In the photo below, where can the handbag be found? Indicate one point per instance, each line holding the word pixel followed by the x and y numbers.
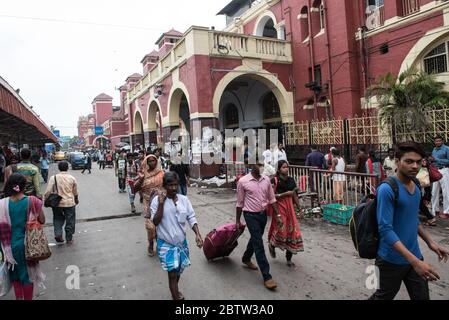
pixel 434 174
pixel 5 281
pixel 424 177
pixel 36 243
pixel 53 199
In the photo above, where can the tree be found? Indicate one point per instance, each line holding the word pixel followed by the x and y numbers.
pixel 407 98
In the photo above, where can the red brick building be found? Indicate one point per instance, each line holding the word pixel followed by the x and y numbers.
pixel 282 61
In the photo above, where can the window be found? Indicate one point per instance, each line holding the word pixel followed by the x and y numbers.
pixel 375 3
pixel 304 22
pixel 322 17
pixel 271 109
pixel 436 60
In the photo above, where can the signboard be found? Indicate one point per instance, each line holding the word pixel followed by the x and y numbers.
pixel 98 131
pixel 57 133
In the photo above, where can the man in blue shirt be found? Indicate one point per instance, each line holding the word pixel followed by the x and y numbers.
pixel 441 156
pixel 399 256
pixel 45 165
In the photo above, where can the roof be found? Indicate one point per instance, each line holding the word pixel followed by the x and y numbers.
pixel 153 54
pixel 134 76
pixel 103 96
pixel 123 87
pixel 172 34
pixel 233 6
pixel 17 116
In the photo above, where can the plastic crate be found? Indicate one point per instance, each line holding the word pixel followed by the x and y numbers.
pixel 337 213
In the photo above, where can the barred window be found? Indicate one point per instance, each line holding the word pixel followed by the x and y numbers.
pixel 436 60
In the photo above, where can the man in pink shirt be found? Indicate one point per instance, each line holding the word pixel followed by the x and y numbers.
pixel 254 194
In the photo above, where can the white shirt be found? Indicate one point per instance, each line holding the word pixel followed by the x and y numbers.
pixel 267 156
pixel 279 155
pixel 172 228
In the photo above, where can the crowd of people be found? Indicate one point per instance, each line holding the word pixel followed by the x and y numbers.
pixel 260 194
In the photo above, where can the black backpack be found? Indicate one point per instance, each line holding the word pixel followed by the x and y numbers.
pixel 363 225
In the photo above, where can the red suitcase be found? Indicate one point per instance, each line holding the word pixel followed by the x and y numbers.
pixel 220 242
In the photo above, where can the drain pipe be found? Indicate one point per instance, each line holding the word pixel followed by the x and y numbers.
pixel 312 56
pixel 331 94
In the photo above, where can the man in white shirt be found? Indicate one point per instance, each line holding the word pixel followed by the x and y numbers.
pixel 279 154
pixel 390 164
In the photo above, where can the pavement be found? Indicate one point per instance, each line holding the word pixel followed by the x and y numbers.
pixel 109 250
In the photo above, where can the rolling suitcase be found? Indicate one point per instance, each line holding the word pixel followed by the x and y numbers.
pixel 220 242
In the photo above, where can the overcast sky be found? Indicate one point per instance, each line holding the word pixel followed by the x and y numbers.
pixel 60 67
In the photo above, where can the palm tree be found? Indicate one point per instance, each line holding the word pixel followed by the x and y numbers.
pixel 406 99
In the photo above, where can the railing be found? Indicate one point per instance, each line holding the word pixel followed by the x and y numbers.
pixel 347 188
pixel 220 44
pixel 410 6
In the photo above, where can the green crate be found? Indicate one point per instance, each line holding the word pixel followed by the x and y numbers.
pixel 337 213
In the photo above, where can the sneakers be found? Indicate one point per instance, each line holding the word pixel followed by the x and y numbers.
pixel 270 284
pixel 250 265
pixel 133 208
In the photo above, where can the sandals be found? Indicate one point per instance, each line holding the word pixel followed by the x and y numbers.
pixel 431 223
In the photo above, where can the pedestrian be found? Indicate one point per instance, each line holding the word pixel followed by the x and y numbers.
pixel 45 165
pixel 87 163
pixel 360 160
pixel 139 162
pixel 101 160
pixel 120 171
pixel 2 165
pixel 150 181
pixel 65 213
pixel 440 155
pixel 399 256
pixel 14 214
pixel 279 154
pixel 426 191
pixel 29 171
pixel 171 212
pixel 374 167
pixel 390 164
pixel 109 159
pixel 328 160
pixel 315 158
pixel 285 233
pixel 338 178
pixel 254 194
pixel 183 171
pixel 132 173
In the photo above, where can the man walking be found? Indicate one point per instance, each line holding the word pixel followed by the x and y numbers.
pixel 29 171
pixel 254 194
pixel 87 163
pixel 120 171
pixel 279 154
pixel 45 165
pixel 65 212
pixel 399 256
pixel 101 159
pixel 441 156
pixel 315 158
pixel 390 164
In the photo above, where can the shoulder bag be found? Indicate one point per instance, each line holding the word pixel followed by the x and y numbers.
pixel 53 199
pixel 36 243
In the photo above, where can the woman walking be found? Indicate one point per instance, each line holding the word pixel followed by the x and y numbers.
pixel 171 212
pixel 285 233
pixel 150 181
pixel 15 212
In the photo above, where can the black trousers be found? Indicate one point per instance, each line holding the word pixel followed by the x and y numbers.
pixel 391 278
pixel 256 223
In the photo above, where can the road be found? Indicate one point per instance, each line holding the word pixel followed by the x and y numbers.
pixel 111 255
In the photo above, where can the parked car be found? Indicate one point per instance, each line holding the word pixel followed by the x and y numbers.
pixel 59 156
pixel 77 160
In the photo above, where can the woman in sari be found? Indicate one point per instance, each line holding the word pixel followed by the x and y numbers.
pixel 150 181
pixel 15 212
pixel 284 231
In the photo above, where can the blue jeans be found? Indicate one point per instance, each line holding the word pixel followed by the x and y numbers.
pixel 256 223
pixel 182 189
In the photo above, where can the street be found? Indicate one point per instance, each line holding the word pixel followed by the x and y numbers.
pixel 111 255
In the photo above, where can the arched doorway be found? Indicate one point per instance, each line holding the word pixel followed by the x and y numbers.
pixel 266 27
pixel 179 118
pixel 249 103
pixel 138 140
pixel 154 119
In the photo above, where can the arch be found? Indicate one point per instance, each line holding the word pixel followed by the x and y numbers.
pixel 153 108
pixel 304 23
pixel 100 137
pixel 284 97
pixel 138 123
pixel 416 54
pixel 262 21
pixel 174 101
